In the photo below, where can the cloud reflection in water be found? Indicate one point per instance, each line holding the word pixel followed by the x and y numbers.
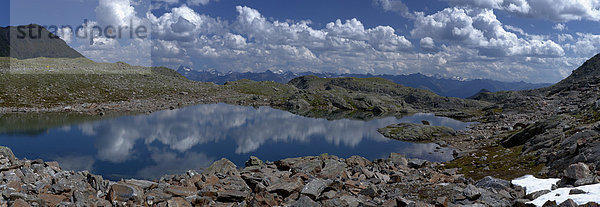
pixel 174 141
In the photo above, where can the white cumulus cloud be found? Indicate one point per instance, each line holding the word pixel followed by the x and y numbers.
pixel 466 40
pixel 427 43
pixel 560 27
pixel 66 34
pixel 254 43
pixel 479 28
pixel 395 6
pixel 562 10
pixel 585 45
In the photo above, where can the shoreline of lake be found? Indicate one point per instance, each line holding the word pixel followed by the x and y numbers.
pixel 306 181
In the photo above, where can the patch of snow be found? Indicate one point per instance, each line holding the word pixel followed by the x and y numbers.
pixel 533 184
pixel 562 194
pixel 184 68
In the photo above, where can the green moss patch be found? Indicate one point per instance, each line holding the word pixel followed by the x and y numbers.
pixel 498 162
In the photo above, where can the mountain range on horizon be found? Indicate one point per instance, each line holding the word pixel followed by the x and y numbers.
pixel 441 86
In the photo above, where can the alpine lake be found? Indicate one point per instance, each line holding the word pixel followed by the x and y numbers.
pixel 148 146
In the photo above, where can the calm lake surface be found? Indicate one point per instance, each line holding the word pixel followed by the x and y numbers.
pixel 171 142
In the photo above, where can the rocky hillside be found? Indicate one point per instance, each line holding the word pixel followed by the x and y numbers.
pixel 32 41
pixel 572 133
pixel 583 79
pixel 558 125
pixel 4 42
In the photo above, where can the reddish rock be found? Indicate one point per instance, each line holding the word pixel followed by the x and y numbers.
pixel 15 185
pixel 178 202
pixel 20 203
pixel 358 161
pixel 265 199
pixel 52 200
pixel 285 186
pixel 181 190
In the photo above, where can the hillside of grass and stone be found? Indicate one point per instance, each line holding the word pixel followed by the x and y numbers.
pixel 64 85
pixel 82 85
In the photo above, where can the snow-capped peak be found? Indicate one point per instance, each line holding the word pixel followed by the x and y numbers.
pixel 184 69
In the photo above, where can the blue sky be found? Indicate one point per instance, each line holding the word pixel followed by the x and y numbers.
pixel 510 40
pixel 4 12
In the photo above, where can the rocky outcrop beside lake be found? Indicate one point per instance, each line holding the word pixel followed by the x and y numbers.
pixel 415 132
pixel 370 94
pixel 306 181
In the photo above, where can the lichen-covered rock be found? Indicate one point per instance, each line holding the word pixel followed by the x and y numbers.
pixel 254 161
pixel 222 167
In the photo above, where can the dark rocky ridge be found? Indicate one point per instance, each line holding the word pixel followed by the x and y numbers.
pixel 18 43
pixel 4 43
pixel 585 74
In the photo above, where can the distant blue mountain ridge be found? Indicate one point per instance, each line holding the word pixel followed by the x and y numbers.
pixel 441 86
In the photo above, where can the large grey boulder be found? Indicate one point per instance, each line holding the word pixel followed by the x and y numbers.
pixel 398 159
pixel 308 165
pixel 305 201
pixel 315 187
pixel 489 182
pixel 472 192
pixel 332 168
pixel 577 171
